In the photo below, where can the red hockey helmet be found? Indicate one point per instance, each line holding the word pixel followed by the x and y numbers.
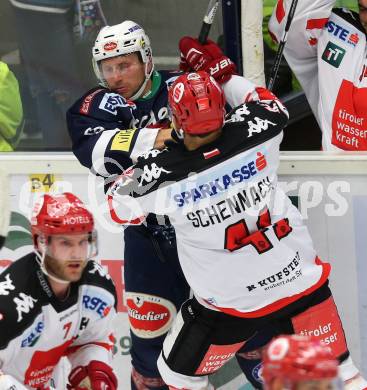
pixel 298 358
pixel 197 103
pixel 60 214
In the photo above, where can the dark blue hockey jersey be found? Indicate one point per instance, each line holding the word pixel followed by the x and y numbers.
pixel 109 132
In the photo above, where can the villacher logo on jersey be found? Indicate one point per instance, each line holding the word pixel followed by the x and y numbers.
pixel 221 184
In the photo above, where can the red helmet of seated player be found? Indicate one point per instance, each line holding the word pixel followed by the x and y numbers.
pixel 296 359
pixel 197 103
pixel 61 214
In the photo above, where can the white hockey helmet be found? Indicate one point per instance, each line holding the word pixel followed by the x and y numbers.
pixel 121 39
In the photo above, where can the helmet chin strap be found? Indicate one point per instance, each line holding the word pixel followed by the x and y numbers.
pixel 40 257
pixel 139 92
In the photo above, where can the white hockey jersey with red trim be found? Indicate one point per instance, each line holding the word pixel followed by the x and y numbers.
pixel 37 329
pixel 242 245
pixel 326 49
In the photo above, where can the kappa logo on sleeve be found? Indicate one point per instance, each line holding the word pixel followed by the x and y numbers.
pixel 100 270
pixel 122 140
pixel 6 286
pixel 333 54
pixel 24 304
pixel 150 316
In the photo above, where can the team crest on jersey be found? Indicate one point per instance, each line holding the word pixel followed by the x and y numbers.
pixel 112 101
pixel 333 54
pixel 150 316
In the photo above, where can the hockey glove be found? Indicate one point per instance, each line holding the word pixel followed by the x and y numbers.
pixel 96 376
pixel 208 57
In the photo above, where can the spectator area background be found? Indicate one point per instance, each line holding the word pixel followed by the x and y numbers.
pixel 165 21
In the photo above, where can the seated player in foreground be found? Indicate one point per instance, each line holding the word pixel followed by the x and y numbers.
pixel 242 245
pixel 57 302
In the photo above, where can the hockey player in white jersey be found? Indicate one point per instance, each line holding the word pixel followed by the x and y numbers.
pixel 242 244
pixel 57 302
pixel 326 49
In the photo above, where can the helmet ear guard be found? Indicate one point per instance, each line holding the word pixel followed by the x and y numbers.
pixel 122 39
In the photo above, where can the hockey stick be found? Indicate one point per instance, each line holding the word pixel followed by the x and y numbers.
pixel 4 207
pixel 208 20
pixel 278 57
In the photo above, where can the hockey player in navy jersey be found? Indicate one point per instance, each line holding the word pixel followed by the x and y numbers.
pixel 242 245
pixel 110 126
pixel 57 302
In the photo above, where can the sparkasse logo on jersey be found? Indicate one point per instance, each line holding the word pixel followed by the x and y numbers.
pixel 342 33
pixel 222 183
pixel 333 54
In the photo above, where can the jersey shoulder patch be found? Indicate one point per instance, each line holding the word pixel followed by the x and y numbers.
pixel 350 17
pixel 96 275
pixel 86 102
pixel 103 103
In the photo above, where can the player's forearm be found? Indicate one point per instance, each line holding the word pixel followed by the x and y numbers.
pixel 237 90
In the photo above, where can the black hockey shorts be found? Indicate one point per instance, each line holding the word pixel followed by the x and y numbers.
pixel 203 340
